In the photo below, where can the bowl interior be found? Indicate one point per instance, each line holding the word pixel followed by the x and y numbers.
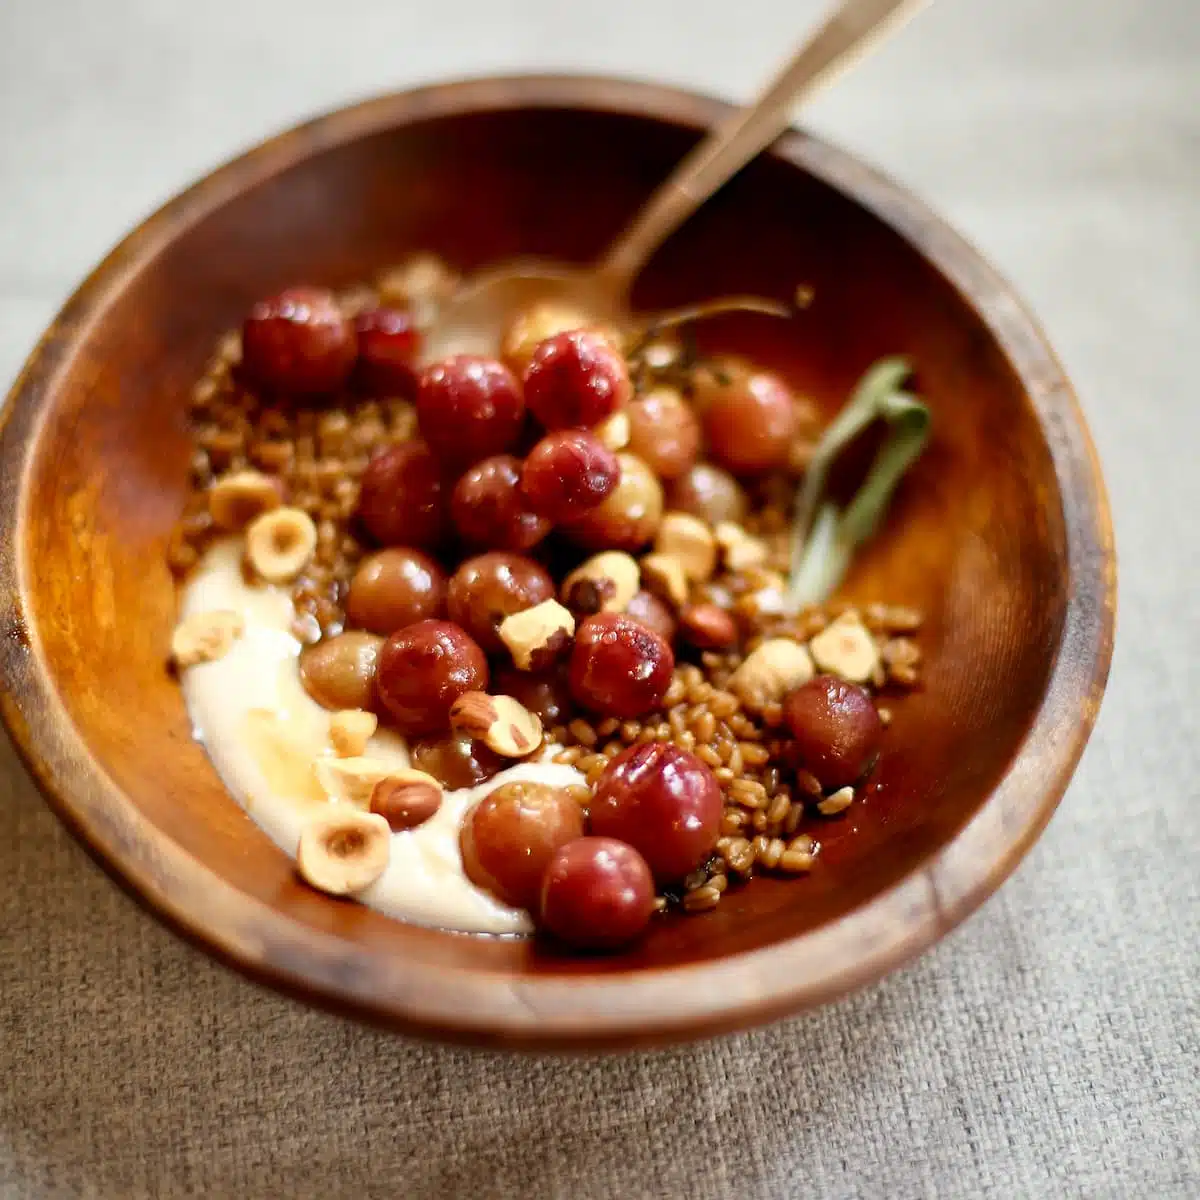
pixel 976 538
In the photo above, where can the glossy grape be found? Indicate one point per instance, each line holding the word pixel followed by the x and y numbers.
pixel 647 608
pixel 469 407
pixel 545 693
pixel 298 343
pixel 339 672
pixel 388 343
pixel 491 511
pixel 710 493
pixel 664 432
pixel 835 727
pixel 628 517
pixel 619 667
pixel 456 761
pixel 751 424
pixel 393 588
pixel 489 587
pixel 404 498
pixel 423 669
pixel 576 379
pixel 511 835
pixel 568 473
pixel 597 894
pixel 664 802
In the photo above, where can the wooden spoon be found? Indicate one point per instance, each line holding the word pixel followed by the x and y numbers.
pixel 476 316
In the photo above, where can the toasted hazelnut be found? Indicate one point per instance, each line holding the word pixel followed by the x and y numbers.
pixel 845 648
pixel 503 724
pixel 740 550
pixel 351 780
pixel 777 667
pixel 708 627
pixel 605 583
pixel 406 799
pixel 279 543
pixel 204 637
pixel 538 636
pixel 350 730
pixel 234 500
pixel 838 802
pixel 614 433
pixel 689 540
pixel 342 851
pixel 664 575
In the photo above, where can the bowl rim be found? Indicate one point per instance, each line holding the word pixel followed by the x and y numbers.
pixel 593 1010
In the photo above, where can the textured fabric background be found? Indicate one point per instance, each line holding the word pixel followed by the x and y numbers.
pixel 1049 1048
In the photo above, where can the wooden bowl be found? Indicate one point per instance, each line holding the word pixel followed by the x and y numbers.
pixel 1001 535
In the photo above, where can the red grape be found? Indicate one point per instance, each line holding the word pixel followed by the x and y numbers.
pixel 597 893
pixel 423 669
pixel 404 499
pixel 511 835
pixel 567 473
pixel 489 587
pixel 388 341
pixel 298 342
pixel 468 408
pixel 576 379
pixel 619 667
pixel 664 432
pixel 835 727
pixel 664 802
pixel 751 424
pixel 490 510
pixel 394 588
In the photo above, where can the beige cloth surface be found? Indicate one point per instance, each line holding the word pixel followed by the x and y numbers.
pixel 1047 1049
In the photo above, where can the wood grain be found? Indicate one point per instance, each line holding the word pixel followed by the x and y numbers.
pixel 1002 535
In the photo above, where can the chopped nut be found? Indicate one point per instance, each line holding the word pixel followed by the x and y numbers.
pixel 845 648
pixel 838 802
pixel 234 500
pixel 279 544
pixel 689 540
pixel 351 780
pixel 739 550
pixel 205 637
pixel 538 636
pixel 503 724
pixel 406 799
pixel 664 576
pixel 900 652
pixel 350 730
pixel 342 851
pixel 605 583
pixel 708 627
pixel 614 433
pixel 777 667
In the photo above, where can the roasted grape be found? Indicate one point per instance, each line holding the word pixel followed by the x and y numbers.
pixel 568 473
pixel 576 379
pixel 510 836
pixel 835 727
pixel 491 511
pixel 468 408
pixel 664 802
pixel 597 894
pixel 404 497
pixel 619 667
pixel 298 343
pixel 388 342
pixel 394 588
pixel 628 517
pixel 423 669
pixel 339 672
pixel 489 587
pixel 664 432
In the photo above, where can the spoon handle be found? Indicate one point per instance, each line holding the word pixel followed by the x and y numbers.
pixel 847 32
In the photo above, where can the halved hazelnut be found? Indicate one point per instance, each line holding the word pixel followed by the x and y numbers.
pixel 846 648
pixel 351 780
pixel 342 851
pixel 664 575
pixel 406 799
pixel 503 724
pixel 538 636
pixel 279 544
pixel 205 637
pixel 604 583
pixel 739 549
pixel 777 667
pixel 690 541
pixel 350 730
pixel 234 500
pixel 615 432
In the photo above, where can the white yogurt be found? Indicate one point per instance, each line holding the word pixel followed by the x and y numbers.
pixel 263 733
